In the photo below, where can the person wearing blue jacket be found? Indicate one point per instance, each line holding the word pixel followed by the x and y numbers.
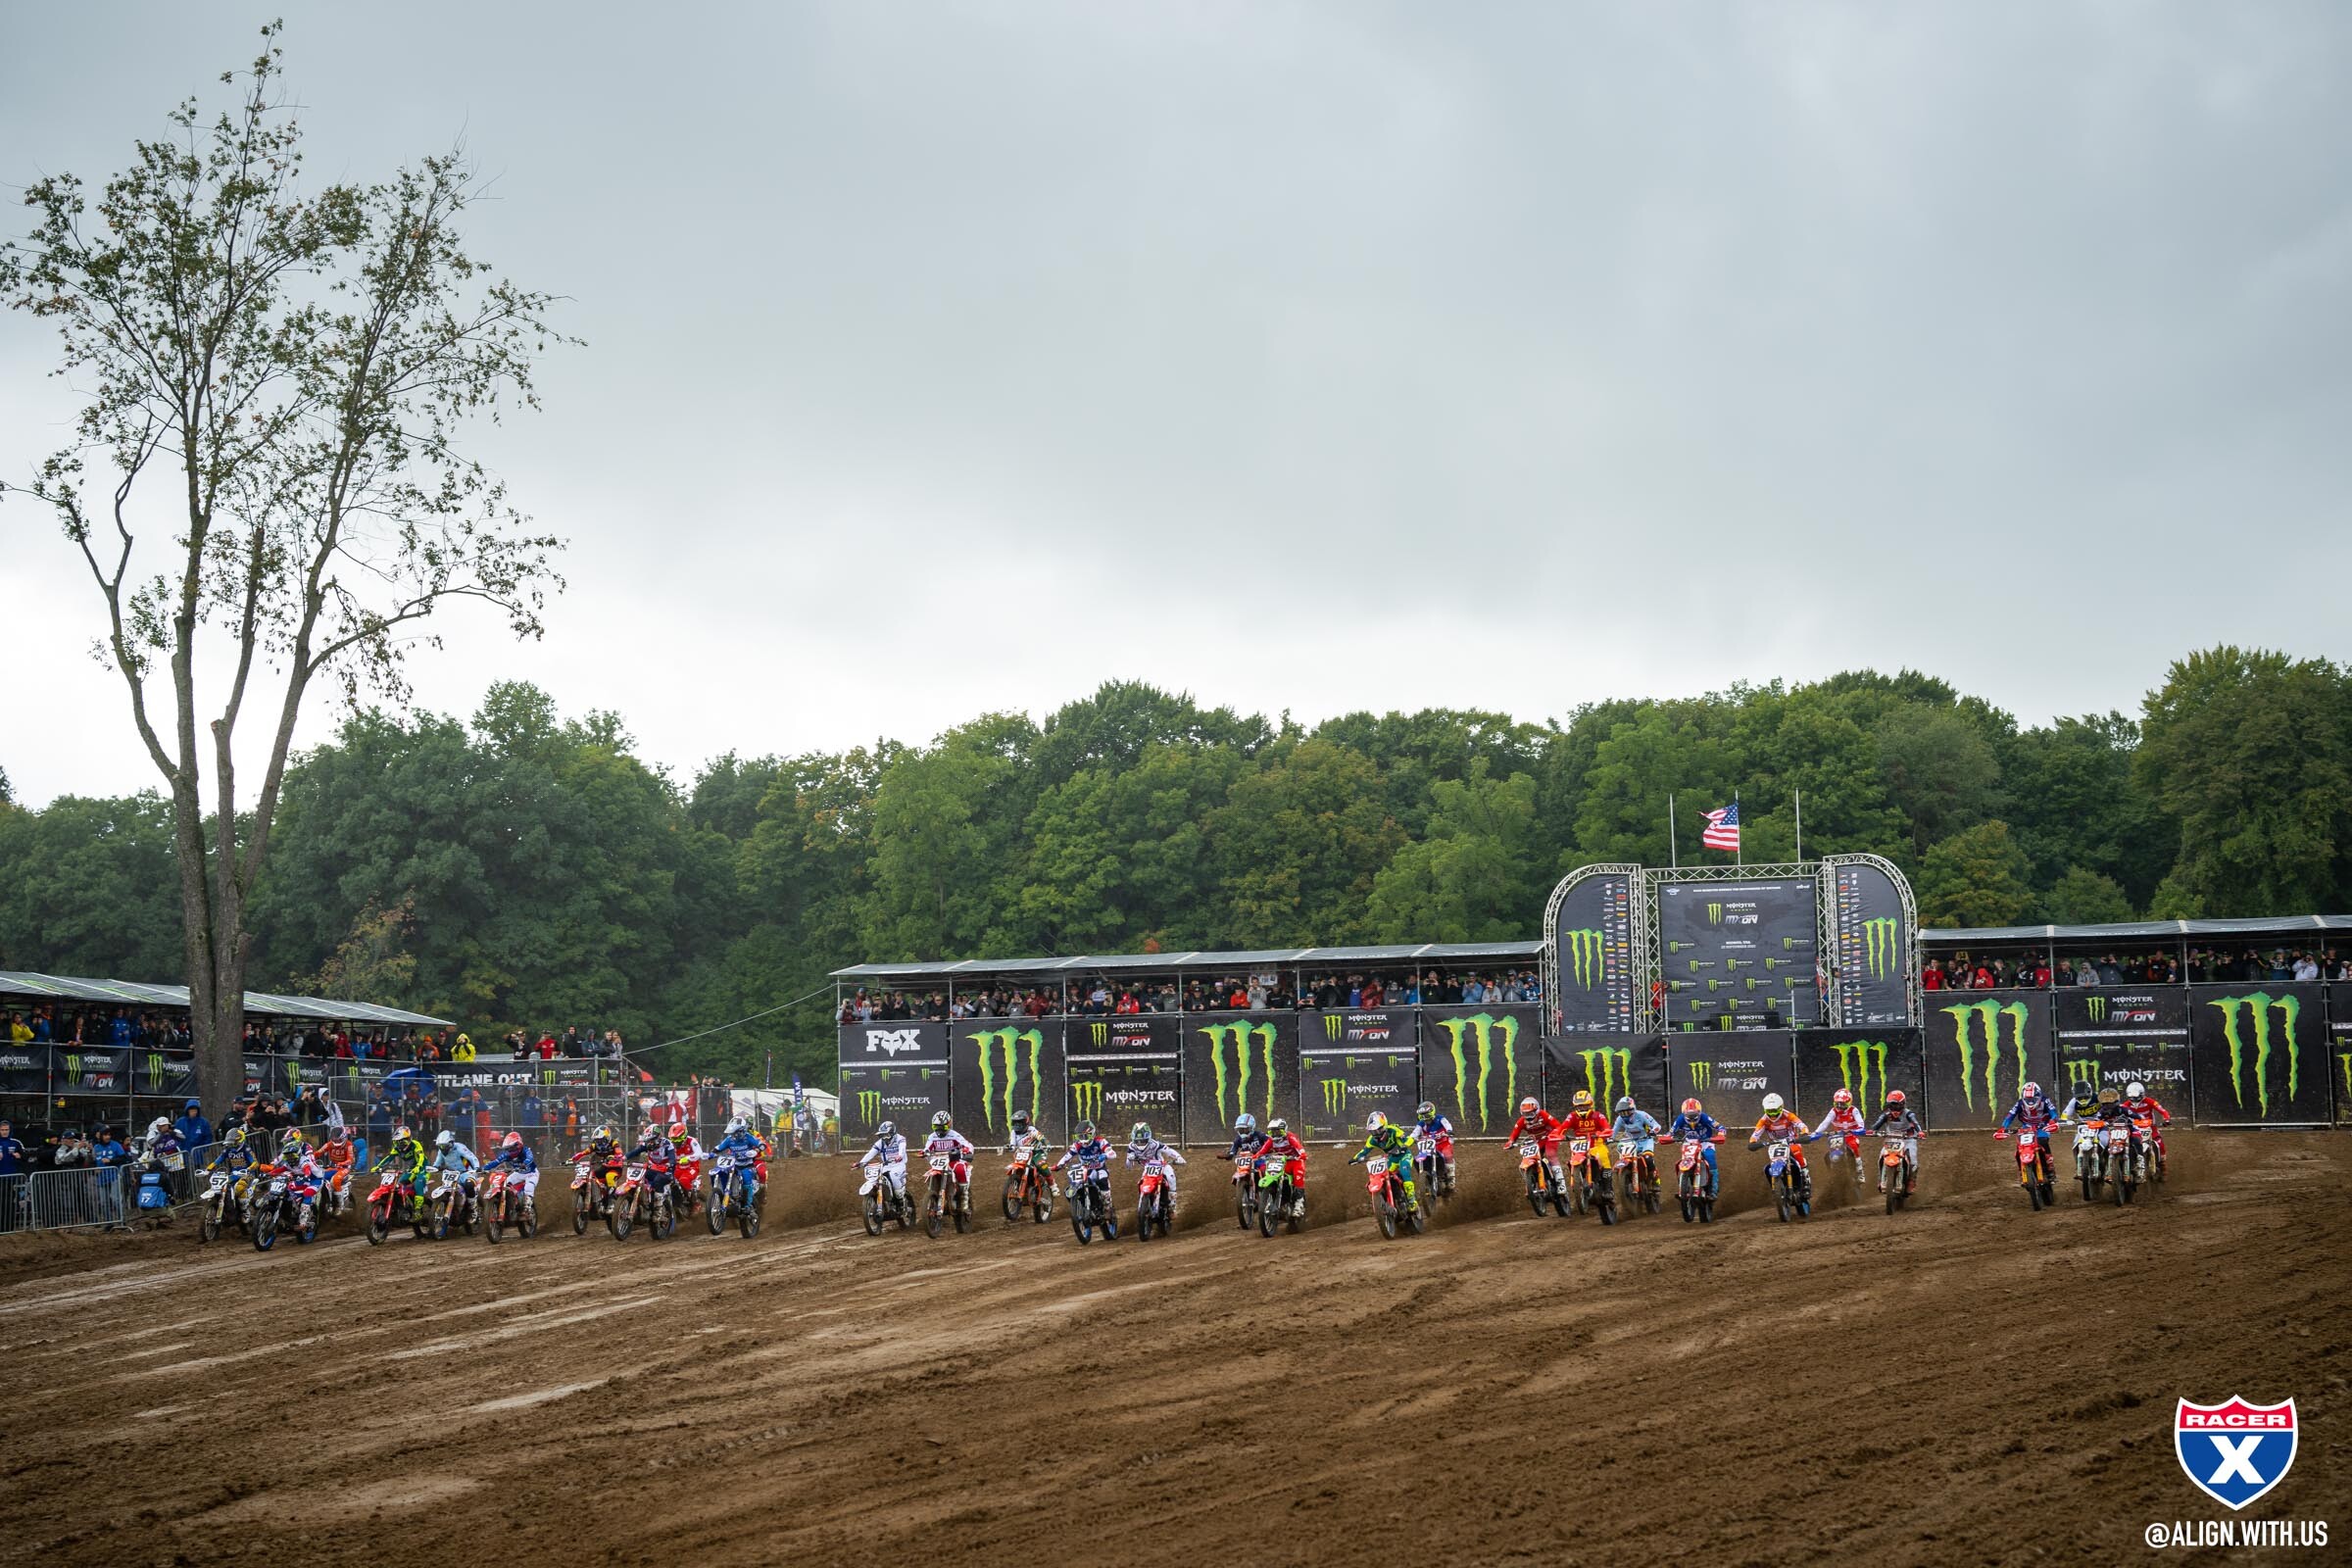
pixel 750 1151
pixel 194 1131
pixel 1692 1124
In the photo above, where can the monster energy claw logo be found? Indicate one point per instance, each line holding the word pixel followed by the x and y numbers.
pixel 1086 1098
pixel 1991 1014
pixel 1009 1041
pixel 2097 1008
pixel 870 1105
pixel 1492 1032
pixel 1618 1063
pixel 1102 1032
pixel 1714 915
pixel 1855 1058
pixel 2259 1005
pixel 1331 1031
pixel 1582 948
pixel 1702 1077
pixel 1238 1038
pixel 1335 1098
pixel 1878 936
pixel 2082 1075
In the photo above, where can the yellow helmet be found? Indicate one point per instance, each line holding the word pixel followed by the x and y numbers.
pixel 235 1137
pixel 678 1134
pixel 1581 1099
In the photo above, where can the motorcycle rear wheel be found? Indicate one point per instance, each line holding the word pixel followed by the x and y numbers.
pixel 873 1212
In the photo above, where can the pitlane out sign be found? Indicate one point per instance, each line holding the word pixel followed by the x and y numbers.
pixel 2237 1452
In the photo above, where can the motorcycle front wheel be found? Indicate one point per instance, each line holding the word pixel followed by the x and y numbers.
pixel 1012 1197
pixel 264 1232
pixel 1536 1196
pixel 378 1227
pixel 1269 1202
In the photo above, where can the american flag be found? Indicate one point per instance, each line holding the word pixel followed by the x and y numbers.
pixel 1723 828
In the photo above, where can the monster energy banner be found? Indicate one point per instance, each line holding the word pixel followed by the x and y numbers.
pixel 1125 1070
pixel 1477 1063
pixel 1729 1073
pixel 163 1073
pixel 2258 1055
pixel 89 1070
pixel 1352 1064
pixel 1981 1048
pixel 1237 1062
pixel 1598 979
pixel 907 1092
pixel 1871 963
pixel 1000 1065
pixel 24 1069
pixel 1865 1062
pixel 282 1075
pixel 2339 1049
pixel 1610 1070
pixel 1739 955
pixel 2108 1038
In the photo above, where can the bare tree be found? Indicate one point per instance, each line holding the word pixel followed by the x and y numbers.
pixel 290 370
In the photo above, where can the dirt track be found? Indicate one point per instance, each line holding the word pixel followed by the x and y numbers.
pixel 1968 1383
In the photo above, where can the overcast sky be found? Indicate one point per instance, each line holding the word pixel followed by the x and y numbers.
pixel 944 359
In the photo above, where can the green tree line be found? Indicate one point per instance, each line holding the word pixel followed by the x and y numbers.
pixel 525 869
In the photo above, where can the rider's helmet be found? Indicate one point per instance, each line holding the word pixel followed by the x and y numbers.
pixel 291 1144
pixel 1426 1110
pixel 1527 1106
pixel 2135 1090
pixel 738 1127
pixel 1774 1104
pixel 941 1121
pixel 1691 1106
pixel 512 1144
pixel 1842 1099
pixel 2030 1091
pixel 1375 1122
pixel 1140 1133
pixel 2108 1097
pixel 444 1139
pixel 401 1133
pixel 1581 1099
pixel 237 1137
pixel 1084 1131
pixel 1277 1127
pixel 1020 1122
pixel 889 1129
pixel 604 1134
pixel 1625 1103
pixel 678 1134
pixel 1894 1098
pixel 1244 1123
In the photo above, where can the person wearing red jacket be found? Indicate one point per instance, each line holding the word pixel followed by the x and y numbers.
pixel 1282 1144
pixel 2138 1102
pixel 1546 1130
pixel 1585 1120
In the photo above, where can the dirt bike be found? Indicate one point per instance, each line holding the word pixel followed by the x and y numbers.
pixel 217 1207
pixel 732 1197
pixel 951 1196
pixel 1278 1197
pixel 273 1208
pixel 1588 1186
pixel 1791 1188
pixel 639 1198
pixel 1429 1175
pixel 1091 1207
pixel 1851 1144
pixel 1695 1185
pixel 1637 1177
pixel 1152 1205
pixel 1896 1175
pixel 445 1205
pixel 884 1202
pixel 384 1206
pixel 592 1194
pixel 507 1205
pixel 2126 1164
pixel 2087 1169
pixel 1244 1190
pixel 2033 1167
pixel 1029 1187
pixel 1542 1177
pixel 1388 1204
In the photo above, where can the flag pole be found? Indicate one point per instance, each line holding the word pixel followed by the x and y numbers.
pixel 1800 827
pixel 1673 859
pixel 1739 852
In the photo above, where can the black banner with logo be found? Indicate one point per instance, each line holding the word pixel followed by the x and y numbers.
pixel 1982 1049
pixel 89 1070
pixel 1477 1063
pixel 1352 1064
pixel 1000 1065
pixel 1237 1062
pixel 2339 1049
pixel 1598 976
pixel 2259 1055
pixel 906 1040
pixel 1728 1073
pixel 1871 948
pixel 907 1092
pixel 163 1073
pixel 24 1069
pixel 1741 951
pixel 2108 1038
pixel 1135 1074
pixel 1868 1064
pixel 1610 1070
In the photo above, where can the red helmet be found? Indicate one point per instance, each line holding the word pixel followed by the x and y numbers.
pixel 512 1141
pixel 1691 1107
pixel 1844 1097
pixel 1527 1107
pixel 1894 1096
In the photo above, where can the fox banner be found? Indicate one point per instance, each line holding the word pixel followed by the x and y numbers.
pixel 2106 1039
pixel 1352 1064
pixel 89 1070
pixel 1237 1062
pixel 1729 1072
pixel 2340 1051
pixel 2259 1055
pixel 1611 1069
pixel 1122 1070
pixel 1597 970
pixel 1981 1048
pixel 1477 1063
pixel 1867 1063
pixel 901 1041
pixel 997 1066
pixel 1871 953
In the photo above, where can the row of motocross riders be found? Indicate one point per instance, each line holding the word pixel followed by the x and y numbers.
pixel 449 1186
pixel 1423 1154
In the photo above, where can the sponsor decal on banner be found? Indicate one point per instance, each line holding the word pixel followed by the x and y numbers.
pixel 1252 1047
pixel 2258 1007
pixel 1335 1098
pixel 1100 1033
pixel 1604 1067
pixel 1878 939
pixel 2234 1452
pixel 1990 1017
pixel 890 1042
pixel 1855 1058
pixel 2096 1006
pixel 1086 1099
pixel 2082 1076
pixel 1714 915
pixel 1702 1077
pixel 1582 948
pixel 1001 1056
pixel 1482 1034
pixel 870 1106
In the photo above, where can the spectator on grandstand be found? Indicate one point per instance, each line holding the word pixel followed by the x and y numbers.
pixel 2307 968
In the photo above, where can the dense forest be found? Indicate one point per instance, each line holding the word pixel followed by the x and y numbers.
pixel 524 870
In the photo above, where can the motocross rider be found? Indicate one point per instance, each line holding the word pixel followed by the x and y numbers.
pixel 656 1154
pixel 1427 1123
pixel 334 1163
pixel 1585 1120
pixel 1843 1126
pixel 1546 1129
pixel 1283 1144
pixel 687 1155
pixel 1381 1139
pixel 514 1157
pixel 945 1140
pixel 1631 1124
pixel 751 1157
pixel 2034 1116
pixel 1692 1124
pixel 1093 1153
pixel 1247 1139
pixel 1899 1119
pixel 889 1152
pixel 453 1154
pixel 1778 1121
pixel 1143 1148
pixel 404 1155
pixel 2139 1104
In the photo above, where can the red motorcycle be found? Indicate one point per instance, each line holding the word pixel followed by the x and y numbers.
pixel 1152 1205
pixel 384 1206
pixel 1694 1180
pixel 636 1198
pixel 1386 1180
pixel 1588 1186
pixel 592 1194
pixel 508 1204
pixel 2033 1166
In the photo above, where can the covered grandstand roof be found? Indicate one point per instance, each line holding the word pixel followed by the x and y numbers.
pixel 137 994
pixel 1226 963
pixel 2144 930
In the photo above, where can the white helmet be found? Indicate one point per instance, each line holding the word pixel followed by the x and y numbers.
pixel 158 1127
pixel 2135 1090
pixel 1773 1104
pixel 446 1139
pixel 737 1126
pixel 1842 1098
pixel 1375 1122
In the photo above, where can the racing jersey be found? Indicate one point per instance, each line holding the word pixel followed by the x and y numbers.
pixel 1784 1125
pixel 1390 1141
pixel 1145 1153
pixel 1436 1127
pixel 1245 1146
pixel 1695 1124
pixel 1544 1127
pixel 748 1144
pixel 950 1143
pixel 520 1159
pixel 2030 1116
pixel 457 1157
pixel 1093 1152
pixel 406 1154
pixel 1586 1124
pixel 1636 1123
pixel 891 1150
pixel 1288 1148
pixel 2146 1105
pixel 1840 1119
pixel 1905 1124
pixel 652 1153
